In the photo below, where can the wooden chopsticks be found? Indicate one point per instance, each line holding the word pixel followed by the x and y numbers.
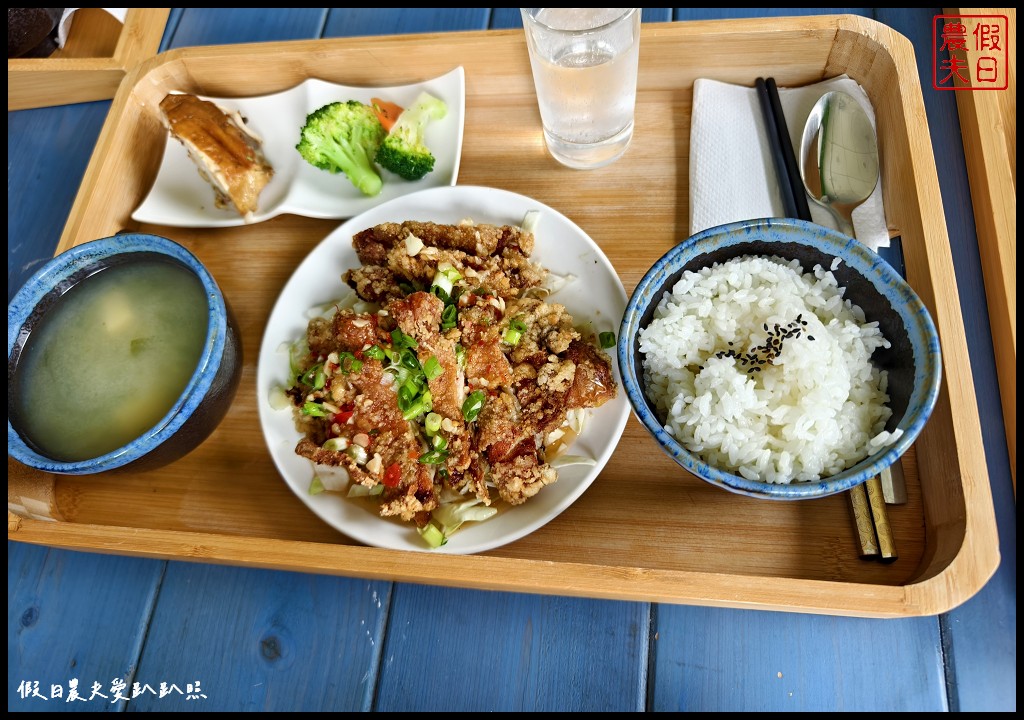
pixel 867 503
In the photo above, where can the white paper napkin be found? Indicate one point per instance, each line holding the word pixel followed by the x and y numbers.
pixel 732 174
pixel 69 14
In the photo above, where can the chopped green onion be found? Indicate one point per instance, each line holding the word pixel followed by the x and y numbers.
pixel 433 457
pixel 409 360
pixel 443 283
pixel 314 377
pixel 449 317
pixel 432 424
pixel 473 405
pixel 515 331
pixel 424 403
pixel 357 453
pixel 439 442
pixel 336 444
pixel 432 535
pixel 607 339
pixel 316 487
pixel 375 352
pixel 441 294
pixel 450 272
pixel 432 368
pixel 312 409
pixel 349 363
pixel 460 355
pixel 406 288
pixel 401 341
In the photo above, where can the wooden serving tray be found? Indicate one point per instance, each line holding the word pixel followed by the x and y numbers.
pixel 92 63
pixel 988 123
pixel 645 530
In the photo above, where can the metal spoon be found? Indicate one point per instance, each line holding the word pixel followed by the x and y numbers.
pixel 839 167
pixel 839 156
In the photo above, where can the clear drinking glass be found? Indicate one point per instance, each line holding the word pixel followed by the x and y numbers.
pixel 584 64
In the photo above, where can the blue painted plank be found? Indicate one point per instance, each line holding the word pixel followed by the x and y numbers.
pixel 981 634
pixel 268 626
pixel 708 659
pixel 222 26
pixel 354 22
pixel 170 28
pixel 48 150
pixel 74 616
pixel 511 18
pixel 260 640
pixel 763 12
pixel 474 651
pixel 717 659
pixel 504 18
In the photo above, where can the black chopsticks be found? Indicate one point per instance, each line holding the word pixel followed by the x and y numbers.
pixel 791 185
pixel 874 534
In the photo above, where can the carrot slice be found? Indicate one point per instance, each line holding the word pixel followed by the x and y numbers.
pixel 387 112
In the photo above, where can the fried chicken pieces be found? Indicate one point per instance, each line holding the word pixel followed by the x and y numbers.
pixel 227 154
pixel 465 387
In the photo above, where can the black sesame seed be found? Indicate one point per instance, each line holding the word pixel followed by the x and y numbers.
pixel 810 337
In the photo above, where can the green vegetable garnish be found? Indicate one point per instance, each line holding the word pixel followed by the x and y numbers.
pixel 404 151
pixel 375 352
pixel 420 405
pixel 432 368
pixel 313 409
pixel 449 317
pixel 432 423
pixel 314 377
pixel 515 331
pixel 607 339
pixel 349 363
pixel 401 341
pixel 473 405
pixel 432 535
pixel 433 457
pixel 316 487
pixel 344 137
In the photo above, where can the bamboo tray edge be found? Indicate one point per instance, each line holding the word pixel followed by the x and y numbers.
pixel 43 82
pixel 966 545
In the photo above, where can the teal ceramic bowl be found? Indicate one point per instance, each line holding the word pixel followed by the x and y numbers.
pixel 209 390
pixel 913 361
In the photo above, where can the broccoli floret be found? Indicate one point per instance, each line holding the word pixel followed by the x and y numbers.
pixel 403 151
pixel 344 137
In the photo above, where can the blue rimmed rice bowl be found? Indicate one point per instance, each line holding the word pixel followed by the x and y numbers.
pixel 911 362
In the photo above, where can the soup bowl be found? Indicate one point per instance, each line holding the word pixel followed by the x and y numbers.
pixel 911 361
pixel 180 344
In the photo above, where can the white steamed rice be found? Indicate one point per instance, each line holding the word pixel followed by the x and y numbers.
pixel 817 408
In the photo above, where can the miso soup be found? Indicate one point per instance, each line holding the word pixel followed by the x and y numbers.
pixel 109 359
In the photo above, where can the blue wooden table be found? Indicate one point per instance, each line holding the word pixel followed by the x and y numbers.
pixel 169 636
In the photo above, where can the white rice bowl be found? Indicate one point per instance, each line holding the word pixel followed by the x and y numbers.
pixel 810 409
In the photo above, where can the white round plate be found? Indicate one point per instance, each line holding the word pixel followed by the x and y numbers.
pixel 596 296
pixel 181 198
